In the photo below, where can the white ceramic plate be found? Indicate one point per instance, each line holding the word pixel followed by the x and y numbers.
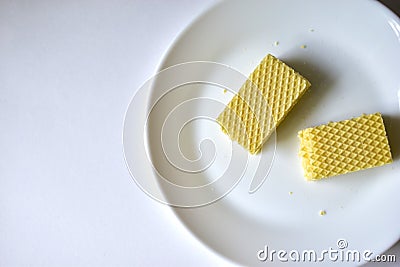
pixel 352 58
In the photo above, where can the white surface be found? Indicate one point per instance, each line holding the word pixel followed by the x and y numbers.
pixel 68 70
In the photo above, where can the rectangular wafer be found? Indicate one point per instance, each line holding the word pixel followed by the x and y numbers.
pixel 342 147
pixel 262 103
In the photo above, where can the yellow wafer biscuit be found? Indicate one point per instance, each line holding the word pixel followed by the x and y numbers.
pixel 262 103
pixel 343 147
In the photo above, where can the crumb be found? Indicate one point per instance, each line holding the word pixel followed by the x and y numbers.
pixel 322 212
pixel 303 46
pixel 276 43
pixel 290 193
pixel 311 30
pixel 225 91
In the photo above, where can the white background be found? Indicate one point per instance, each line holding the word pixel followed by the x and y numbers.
pixel 68 70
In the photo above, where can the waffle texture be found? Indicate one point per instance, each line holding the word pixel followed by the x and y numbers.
pixel 262 103
pixel 343 147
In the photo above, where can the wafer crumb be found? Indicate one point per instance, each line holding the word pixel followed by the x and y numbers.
pixel 322 212
pixel 290 193
pixel 303 46
pixel 225 91
pixel 276 43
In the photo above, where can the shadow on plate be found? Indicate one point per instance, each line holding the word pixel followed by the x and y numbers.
pixel 392 125
pixel 321 83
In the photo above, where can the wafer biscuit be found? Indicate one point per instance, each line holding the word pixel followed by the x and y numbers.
pixel 262 103
pixel 342 147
